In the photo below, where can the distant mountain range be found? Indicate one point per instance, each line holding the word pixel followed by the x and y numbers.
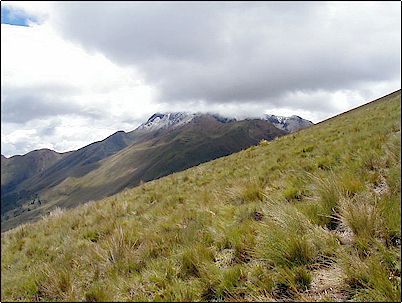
pixel 35 183
pixel 164 120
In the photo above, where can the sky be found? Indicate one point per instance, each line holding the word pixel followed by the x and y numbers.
pixel 76 72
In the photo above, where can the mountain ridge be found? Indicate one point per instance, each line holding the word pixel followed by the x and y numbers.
pixel 125 159
pixel 162 120
pixel 219 117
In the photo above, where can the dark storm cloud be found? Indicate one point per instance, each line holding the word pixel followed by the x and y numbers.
pixel 243 52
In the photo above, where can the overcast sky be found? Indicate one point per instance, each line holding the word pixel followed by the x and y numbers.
pixel 74 73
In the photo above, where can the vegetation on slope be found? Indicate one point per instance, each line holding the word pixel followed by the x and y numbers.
pixel 313 215
pixel 106 167
pixel 16 169
pixel 25 177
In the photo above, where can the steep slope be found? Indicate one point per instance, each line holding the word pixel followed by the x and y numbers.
pixel 160 152
pixel 311 216
pixel 17 169
pixel 26 188
pixel 25 177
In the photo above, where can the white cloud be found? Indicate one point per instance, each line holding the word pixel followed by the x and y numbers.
pixel 44 76
pixel 237 52
pixel 91 68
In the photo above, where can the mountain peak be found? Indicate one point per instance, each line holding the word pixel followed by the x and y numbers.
pixel 223 119
pixel 290 124
pixel 175 119
pixel 165 120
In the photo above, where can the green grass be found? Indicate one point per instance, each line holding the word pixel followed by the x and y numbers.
pixel 106 167
pixel 257 225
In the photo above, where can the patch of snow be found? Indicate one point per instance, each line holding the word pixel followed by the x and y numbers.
pixel 165 120
pixel 290 124
pixel 176 119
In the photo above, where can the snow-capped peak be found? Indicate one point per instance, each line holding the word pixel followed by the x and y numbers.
pixel 176 119
pixel 274 118
pixel 290 124
pixel 165 120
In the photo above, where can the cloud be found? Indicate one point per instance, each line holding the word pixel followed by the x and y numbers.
pixel 107 66
pixel 45 77
pixel 22 105
pixel 60 133
pixel 242 52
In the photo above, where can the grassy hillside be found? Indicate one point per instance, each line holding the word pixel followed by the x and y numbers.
pixel 313 215
pixel 106 167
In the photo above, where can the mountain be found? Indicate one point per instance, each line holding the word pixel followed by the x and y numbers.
pixel 166 143
pixel 176 119
pixel 311 216
pixel 289 124
pixel 25 177
pixel 165 120
pixel 17 169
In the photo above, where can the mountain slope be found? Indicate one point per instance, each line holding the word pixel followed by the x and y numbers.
pixel 58 168
pixel 310 216
pixel 59 181
pixel 19 168
pixel 15 170
pixel 160 152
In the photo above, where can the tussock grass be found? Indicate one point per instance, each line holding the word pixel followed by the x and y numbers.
pixel 256 225
pixel 371 278
pixel 292 240
pixel 361 214
pixel 292 281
